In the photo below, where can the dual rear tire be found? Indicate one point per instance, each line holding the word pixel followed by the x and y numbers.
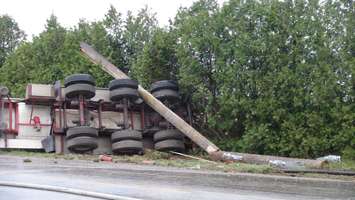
pixel 123 88
pixel 165 90
pixel 81 139
pixel 79 85
pixel 169 140
pixel 127 142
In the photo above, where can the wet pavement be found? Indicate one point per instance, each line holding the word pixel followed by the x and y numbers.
pixel 29 194
pixel 143 182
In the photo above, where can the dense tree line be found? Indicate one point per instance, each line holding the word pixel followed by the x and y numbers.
pixel 271 77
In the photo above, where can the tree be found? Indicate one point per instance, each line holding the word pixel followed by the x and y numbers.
pixel 138 30
pixel 114 24
pixel 275 77
pixel 197 46
pixel 128 36
pixel 158 59
pixel 10 36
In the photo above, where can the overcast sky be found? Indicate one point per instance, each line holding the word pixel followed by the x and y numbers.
pixel 31 15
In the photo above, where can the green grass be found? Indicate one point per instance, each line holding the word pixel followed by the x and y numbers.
pixel 343 165
pixel 41 154
pixel 26 153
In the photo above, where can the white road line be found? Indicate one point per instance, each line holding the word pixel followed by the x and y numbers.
pixel 66 190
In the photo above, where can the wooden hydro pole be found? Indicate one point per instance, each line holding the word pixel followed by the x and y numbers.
pixel 214 152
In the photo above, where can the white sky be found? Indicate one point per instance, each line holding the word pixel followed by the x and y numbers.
pixel 31 15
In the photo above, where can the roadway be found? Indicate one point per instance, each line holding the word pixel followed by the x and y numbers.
pixel 151 182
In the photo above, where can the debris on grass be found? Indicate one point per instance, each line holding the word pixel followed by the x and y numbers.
pixel 277 163
pixel 148 162
pixel 330 158
pixel 198 166
pixel 105 158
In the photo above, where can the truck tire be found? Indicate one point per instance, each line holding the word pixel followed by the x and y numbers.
pixel 82 144
pixel 164 84
pixel 120 93
pixel 75 90
pixel 126 135
pixel 168 134
pixel 170 145
pixel 123 83
pixel 167 94
pixel 81 131
pixel 127 147
pixel 79 78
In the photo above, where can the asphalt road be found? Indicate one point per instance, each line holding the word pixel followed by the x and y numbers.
pixel 29 194
pixel 145 182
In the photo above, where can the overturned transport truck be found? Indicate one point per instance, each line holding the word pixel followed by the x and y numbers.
pixel 78 117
